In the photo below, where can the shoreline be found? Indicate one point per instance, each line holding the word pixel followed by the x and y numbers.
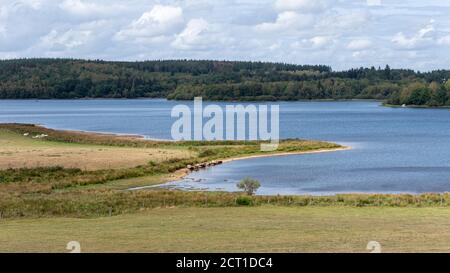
pixel 182 173
pixel 412 106
pixel 175 100
pixel 94 133
pixel 344 148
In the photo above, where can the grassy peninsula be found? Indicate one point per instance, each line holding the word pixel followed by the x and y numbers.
pixel 46 172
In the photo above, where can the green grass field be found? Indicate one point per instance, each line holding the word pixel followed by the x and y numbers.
pixel 256 229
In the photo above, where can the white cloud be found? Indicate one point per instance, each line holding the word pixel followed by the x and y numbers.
pixel 159 21
pixel 301 31
pixel 317 42
pixel 444 40
pixel 66 40
pixel 423 38
pixel 162 15
pixel 89 8
pixel 339 21
pixel 287 21
pixel 320 41
pixel 22 23
pixel 300 5
pixel 359 44
pixel 85 40
pixel 192 35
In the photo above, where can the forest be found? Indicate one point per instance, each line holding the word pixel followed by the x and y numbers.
pixel 218 80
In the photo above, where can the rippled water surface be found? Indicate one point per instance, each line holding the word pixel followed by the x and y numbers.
pixel 394 149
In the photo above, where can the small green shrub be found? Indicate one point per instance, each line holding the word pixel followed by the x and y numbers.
pixel 249 185
pixel 244 201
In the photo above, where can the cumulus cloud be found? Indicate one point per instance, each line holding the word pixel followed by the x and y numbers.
pixel 359 44
pixel 192 35
pixel 89 8
pixel 159 21
pixel 22 23
pixel 423 38
pixel 320 41
pixel 339 33
pixel 340 21
pixel 287 21
pixel 316 42
pixel 300 5
pixel 200 35
pixel 66 40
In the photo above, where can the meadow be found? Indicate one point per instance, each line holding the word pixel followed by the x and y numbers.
pixel 25 152
pixel 238 229
pixel 83 195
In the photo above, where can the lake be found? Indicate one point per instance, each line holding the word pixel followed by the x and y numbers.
pixel 395 150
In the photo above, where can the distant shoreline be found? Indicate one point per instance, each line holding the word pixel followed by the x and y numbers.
pixel 415 106
pixel 381 101
pixel 205 100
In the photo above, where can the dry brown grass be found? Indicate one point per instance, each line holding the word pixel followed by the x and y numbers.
pixel 19 151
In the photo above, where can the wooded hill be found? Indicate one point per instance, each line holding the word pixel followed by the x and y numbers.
pixel 217 80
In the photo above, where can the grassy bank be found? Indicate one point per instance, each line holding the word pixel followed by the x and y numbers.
pixel 262 229
pixel 39 174
pixel 92 203
pixel 64 191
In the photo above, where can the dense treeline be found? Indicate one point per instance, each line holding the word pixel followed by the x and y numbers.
pixel 217 80
pixel 419 93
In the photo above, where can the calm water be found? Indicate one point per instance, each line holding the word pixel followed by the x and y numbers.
pixel 394 150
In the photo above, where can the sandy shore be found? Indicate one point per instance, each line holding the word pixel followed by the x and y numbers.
pixel 287 153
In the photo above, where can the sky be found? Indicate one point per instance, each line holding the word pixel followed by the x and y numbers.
pixel 346 34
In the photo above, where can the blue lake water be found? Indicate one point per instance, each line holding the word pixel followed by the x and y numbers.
pixel 395 150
